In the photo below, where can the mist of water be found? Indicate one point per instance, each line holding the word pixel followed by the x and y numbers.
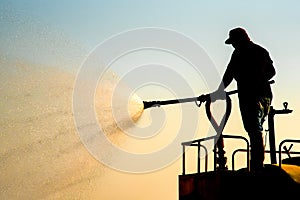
pixel 41 154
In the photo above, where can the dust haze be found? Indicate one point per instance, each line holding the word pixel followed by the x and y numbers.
pixel 41 155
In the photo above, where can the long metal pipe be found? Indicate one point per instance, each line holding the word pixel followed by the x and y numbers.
pixel 200 99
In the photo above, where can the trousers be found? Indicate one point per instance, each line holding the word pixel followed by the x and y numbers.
pixel 254 112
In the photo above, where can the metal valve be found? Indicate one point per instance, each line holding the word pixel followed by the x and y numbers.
pixel 285 105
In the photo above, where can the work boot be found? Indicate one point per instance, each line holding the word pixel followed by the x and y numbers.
pixel 257 151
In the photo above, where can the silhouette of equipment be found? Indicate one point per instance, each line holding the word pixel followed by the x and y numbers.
pixel 273 182
pixel 219 152
pixel 271 115
pixel 198 100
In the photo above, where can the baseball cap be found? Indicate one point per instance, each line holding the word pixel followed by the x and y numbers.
pixel 237 34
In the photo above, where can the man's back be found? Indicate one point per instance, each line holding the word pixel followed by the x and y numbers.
pixel 252 68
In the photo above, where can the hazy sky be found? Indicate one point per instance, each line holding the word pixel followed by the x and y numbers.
pixel 62 32
pixel 274 24
pixel 37 119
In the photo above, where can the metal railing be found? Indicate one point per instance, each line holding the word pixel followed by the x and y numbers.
pixel 268 151
pixel 286 141
pixel 198 144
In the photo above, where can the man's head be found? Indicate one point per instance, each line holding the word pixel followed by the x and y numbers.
pixel 237 36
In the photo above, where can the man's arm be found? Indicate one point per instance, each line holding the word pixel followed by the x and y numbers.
pixel 227 78
pixel 270 70
pixel 228 74
pixel 268 67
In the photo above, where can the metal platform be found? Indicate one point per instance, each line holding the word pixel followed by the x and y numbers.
pixel 273 183
pixel 277 180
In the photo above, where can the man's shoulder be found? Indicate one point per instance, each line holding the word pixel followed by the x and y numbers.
pixel 258 47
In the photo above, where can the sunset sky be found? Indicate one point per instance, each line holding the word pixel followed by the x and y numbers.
pixel 49 28
pixel 61 33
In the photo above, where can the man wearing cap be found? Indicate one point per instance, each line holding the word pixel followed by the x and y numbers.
pixel 251 67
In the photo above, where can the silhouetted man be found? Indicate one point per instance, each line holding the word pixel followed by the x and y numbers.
pixel 251 66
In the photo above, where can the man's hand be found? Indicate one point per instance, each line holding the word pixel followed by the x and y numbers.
pixel 218 95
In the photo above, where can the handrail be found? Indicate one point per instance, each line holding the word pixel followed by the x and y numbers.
pixel 280 145
pixel 198 163
pixel 188 143
pixel 206 155
pixel 198 144
pixel 266 151
pixel 248 148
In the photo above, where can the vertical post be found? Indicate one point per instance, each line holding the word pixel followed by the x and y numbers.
pixel 248 156
pixel 183 159
pixel 198 159
pixel 271 115
pixel 206 160
pixel 272 135
pixel 215 154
